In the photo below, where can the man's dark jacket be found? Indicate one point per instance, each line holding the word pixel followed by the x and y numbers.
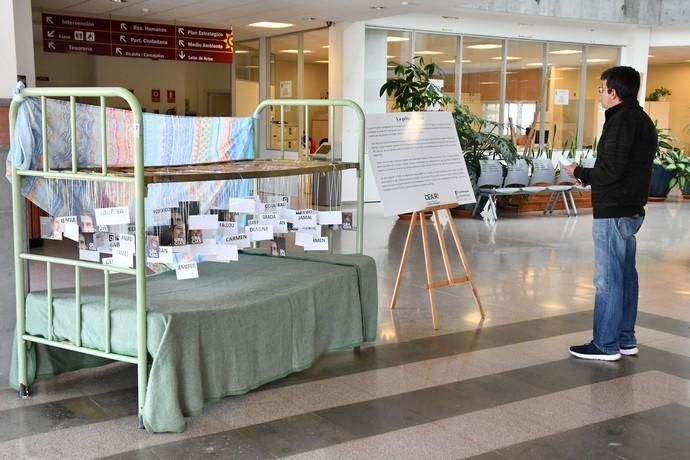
pixel 622 172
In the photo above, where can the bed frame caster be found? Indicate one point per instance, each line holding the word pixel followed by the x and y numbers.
pixel 23 391
pixel 140 422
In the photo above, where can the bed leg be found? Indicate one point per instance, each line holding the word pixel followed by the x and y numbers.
pixel 140 422
pixel 357 348
pixel 23 391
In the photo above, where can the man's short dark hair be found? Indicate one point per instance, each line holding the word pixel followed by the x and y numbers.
pixel 625 80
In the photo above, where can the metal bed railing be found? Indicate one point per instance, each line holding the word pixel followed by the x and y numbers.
pixel 22 256
pixel 331 104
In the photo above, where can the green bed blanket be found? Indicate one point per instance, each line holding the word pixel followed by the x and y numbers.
pixel 236 327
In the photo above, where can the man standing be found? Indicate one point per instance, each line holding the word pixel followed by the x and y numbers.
pixel 620 184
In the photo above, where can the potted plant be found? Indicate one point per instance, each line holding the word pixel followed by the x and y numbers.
pixel 662 177
pixel 659 94
pixel 676 162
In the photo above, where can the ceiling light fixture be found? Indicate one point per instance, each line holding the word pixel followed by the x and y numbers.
pixel 270 25
pixel 596 60
pixel 428 53
pixel 567 68
pixel 452 61
pixel 145 10
pixel 397 39
pixel 485 46
pixel 566 51
pixel 293 51
pixel 534 64
pixel 508 58
pixel 650 56
pixel 488 83
pixel 119 1
pixel 241 52
pixel 322 61
pixel 324 46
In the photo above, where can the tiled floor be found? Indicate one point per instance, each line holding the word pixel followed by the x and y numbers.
pixel 498 388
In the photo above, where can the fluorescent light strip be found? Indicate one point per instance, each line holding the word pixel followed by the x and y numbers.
pixel 508 58
pixel 452 61
pixel 292 51
pixel 484 46
pixel 270 25
pixel 397 39
pixel 428 52
pixel 566 52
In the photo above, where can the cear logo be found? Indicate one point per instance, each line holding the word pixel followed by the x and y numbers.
pixel 431 196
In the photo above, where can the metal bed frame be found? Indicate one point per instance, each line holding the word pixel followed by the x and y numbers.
pixel 139 176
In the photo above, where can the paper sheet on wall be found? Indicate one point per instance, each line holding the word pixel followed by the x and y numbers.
pixel 112 216
pixel 417 161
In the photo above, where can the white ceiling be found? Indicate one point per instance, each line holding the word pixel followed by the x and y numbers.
pixel 305 14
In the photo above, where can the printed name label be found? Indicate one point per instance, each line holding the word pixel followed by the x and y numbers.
pixel 112 216
pixel 187 271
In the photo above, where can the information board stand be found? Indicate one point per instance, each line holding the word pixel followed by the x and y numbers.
pixel 418 165
pixel 451 280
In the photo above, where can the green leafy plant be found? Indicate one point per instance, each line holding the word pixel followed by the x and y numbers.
pixel 658 92
pixel 412 89
pixel 677 162
pixel 664 139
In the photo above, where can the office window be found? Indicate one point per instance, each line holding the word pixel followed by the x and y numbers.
pixel 481 75
pixel 564 81
pixel 524 88
pixel 246 61
pixel 441 50
pixel 599 58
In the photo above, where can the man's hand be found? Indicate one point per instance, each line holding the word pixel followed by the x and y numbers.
pixel 570 169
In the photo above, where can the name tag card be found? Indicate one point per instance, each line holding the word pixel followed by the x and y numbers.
pixel 280 227
pixel 182 249
pixel 269 218
pixel 203 222
pixel 260 232
pixel 228 228
pixel 241 240
pixel 319 243
pixel 127 242
pixel 205 249
pixel 227 253
pixel 187 271
pixel 253 222
pixel 288 214
pixel 108 261
pixel 305 219
pixel 103 228
pixel 315 230
pixel 275 206
pixel 91 256
pixel 162 216
pixel 330 217
pixel 123 258
pixel 303 238
pixel 112 216
pixel 71 230
pixel 246 205
pixel 165 255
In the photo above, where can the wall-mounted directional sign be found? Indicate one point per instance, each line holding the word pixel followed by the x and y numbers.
pixel 103 37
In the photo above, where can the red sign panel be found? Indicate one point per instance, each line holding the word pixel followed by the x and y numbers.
pixel 171 95
pixel 73 22
pixel 155 95
pixel 64 34
pixel 82 36
pixel 143 52
pixel 143 40
pixel 204 56
pixel 98 49
pixel 142 28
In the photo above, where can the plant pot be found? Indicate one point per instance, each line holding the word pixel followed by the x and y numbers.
pixel 685 190
pixel 660 184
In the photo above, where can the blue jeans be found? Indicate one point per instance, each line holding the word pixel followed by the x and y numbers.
pixel 615 278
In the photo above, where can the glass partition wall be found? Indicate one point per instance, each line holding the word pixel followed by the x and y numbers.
pixel 543 93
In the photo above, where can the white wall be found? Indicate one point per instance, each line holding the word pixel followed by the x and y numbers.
pixel 16 45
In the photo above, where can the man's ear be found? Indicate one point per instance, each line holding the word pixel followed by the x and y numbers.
pixel 613 93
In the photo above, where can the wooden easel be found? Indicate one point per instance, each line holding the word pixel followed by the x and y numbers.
pixel 430 284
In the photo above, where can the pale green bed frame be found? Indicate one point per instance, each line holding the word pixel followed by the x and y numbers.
pixel 22 255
